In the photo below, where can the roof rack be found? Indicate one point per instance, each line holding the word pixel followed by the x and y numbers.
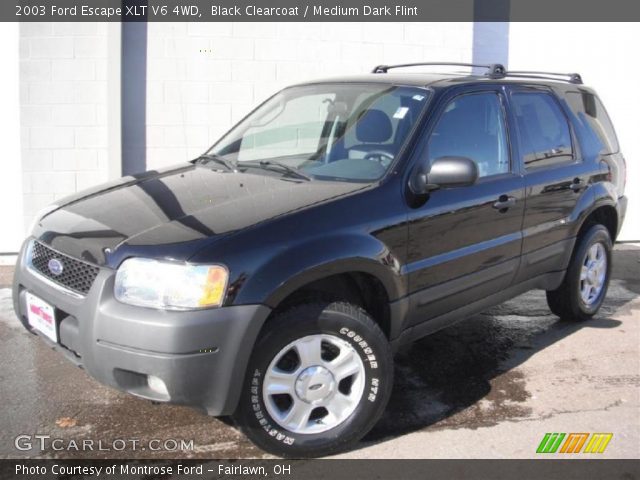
pixel 494 70
pixel 570 77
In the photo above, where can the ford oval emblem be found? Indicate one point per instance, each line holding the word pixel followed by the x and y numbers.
pixel 55 266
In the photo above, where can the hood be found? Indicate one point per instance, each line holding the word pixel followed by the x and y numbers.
pixel 177 206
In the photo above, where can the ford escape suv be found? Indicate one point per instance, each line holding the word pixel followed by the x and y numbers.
pixel 273 277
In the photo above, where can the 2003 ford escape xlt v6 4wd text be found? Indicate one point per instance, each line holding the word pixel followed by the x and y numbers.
pixel 273 277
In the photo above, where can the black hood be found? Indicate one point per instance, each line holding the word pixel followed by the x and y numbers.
pixel 187 204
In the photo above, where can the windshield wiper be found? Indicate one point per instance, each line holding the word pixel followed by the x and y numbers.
pixel 209 157
pixel 269 164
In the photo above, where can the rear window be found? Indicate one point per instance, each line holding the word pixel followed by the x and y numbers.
pixel 593 125
pixel 543 130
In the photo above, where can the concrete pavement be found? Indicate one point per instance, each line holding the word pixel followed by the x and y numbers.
pixel 490 387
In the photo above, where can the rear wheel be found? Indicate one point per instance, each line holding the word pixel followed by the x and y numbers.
pixel 318 380
pixel 585 284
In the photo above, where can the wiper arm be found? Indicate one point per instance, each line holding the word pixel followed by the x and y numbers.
pixel 271 163
pixel 209 157
pixel 287 168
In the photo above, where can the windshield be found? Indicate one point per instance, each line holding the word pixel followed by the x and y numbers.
pixel 349 132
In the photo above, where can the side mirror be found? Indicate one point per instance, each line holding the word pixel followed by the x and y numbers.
pixel 446 172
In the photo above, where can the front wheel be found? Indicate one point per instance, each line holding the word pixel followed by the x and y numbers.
pixel 318 380
pixel 585 284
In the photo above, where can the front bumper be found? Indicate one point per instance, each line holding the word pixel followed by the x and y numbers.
pixel 200 355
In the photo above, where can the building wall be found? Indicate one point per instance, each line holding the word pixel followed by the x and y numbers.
pixel 63 110
pixel 602 53
pixel 11 174
pixel 202 78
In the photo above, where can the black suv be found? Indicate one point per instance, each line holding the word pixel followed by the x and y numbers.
pixel 273 277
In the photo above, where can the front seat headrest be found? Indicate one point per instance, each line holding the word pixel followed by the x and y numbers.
pixel 374 126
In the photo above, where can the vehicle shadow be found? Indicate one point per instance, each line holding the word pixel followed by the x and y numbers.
pixel 464 376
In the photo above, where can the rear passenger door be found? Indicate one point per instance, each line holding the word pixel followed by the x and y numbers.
pixel 465 242
pixel 553 175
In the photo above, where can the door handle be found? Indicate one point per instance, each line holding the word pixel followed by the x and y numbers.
pixel 504 202
pixel 577 185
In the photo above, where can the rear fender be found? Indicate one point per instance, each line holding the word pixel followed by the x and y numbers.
pixel 597 195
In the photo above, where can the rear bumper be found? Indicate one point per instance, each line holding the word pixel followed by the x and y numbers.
pixel 199 356
pixel 622 211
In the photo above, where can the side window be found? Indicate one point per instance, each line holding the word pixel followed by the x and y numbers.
pixel 594 127
pixel 543 131
pixel 473 126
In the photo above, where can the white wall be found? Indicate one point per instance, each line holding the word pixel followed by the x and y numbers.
pixel 63 110
pixel 11 176
pixel 204 77
pixel 605 55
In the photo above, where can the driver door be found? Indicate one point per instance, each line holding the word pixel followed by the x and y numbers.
pixel 465 242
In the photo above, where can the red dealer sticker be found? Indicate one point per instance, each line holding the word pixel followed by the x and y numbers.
pixel 41 316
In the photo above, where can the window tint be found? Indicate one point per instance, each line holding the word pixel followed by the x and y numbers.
pixel 280 132
pixel 543 130
pixel 594 126
pixel 397 107
pixel 473 126
pixel 330 131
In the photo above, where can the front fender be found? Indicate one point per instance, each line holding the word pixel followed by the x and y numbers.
pixel 287 271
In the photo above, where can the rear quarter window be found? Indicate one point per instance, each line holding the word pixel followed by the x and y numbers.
pixel 593 126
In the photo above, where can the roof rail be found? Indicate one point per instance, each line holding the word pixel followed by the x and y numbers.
pixel 494 70
pixel 570 77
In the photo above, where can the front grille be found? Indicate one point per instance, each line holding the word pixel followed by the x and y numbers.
pixel 76 275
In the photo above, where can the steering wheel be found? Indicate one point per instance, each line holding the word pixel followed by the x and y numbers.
pixel 379 155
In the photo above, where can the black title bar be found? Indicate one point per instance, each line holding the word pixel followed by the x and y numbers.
pixel 548 469
pixel 318 10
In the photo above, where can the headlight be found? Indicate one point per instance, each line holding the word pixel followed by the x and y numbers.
pixel 152 283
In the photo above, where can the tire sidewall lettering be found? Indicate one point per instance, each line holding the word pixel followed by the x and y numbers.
pixel 348 324
pixel 370 394
pixel 368 356
pixel 358 340
pixel 261 416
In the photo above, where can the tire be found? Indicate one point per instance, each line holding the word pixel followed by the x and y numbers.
pixel 283 385
pixel 569 301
